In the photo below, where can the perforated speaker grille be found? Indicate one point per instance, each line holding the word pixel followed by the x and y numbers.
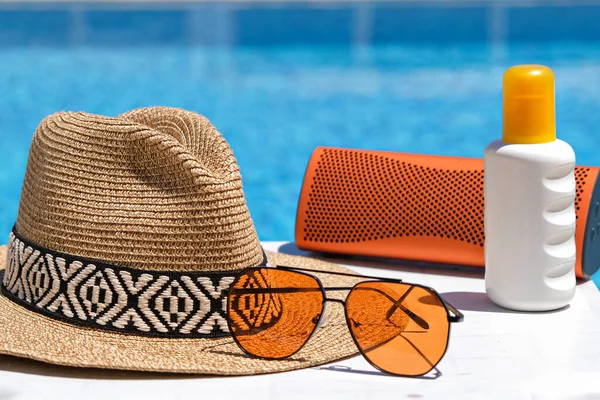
pixel 357 197
pixel 581 173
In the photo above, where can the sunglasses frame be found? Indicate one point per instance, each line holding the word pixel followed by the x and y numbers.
pixel 453 314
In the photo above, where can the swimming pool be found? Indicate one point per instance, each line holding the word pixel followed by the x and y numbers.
pixel 278 80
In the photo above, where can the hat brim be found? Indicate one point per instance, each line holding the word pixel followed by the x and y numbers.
pixel 24 333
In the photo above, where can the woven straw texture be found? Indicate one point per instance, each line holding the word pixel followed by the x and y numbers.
pixel 156 189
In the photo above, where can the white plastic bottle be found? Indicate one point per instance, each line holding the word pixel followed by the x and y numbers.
pixel 529 190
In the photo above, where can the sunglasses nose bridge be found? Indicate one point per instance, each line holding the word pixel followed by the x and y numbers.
pixel 329 299
pixel 320 319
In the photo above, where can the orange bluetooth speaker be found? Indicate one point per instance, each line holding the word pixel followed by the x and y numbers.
pixel 415 207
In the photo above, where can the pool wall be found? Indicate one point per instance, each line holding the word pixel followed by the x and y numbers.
pixel 269 23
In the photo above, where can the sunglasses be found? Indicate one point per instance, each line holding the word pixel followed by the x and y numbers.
pixel 400 328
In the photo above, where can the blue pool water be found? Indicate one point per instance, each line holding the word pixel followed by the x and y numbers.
pixel 276 102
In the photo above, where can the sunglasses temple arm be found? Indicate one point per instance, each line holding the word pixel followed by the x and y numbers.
pixel 398 304
pixel 457 317
pixel 418 320
pixel 338 273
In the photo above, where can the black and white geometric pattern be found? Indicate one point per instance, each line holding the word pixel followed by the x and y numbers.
pixel 121 299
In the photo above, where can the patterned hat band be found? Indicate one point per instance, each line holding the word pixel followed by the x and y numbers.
pixel 93 294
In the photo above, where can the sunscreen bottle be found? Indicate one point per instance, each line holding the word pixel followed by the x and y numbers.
pixel 529 191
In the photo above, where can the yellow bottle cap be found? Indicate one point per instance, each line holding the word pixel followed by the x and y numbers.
pixel 528 105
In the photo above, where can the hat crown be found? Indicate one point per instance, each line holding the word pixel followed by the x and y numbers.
pixel 155 188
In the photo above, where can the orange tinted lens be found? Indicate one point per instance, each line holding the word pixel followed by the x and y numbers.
pixel 401 329
pixel 273 312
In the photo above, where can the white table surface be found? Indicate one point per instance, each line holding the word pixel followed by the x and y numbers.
pixel 493 354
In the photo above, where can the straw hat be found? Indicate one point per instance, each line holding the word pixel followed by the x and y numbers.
pixel 128 231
